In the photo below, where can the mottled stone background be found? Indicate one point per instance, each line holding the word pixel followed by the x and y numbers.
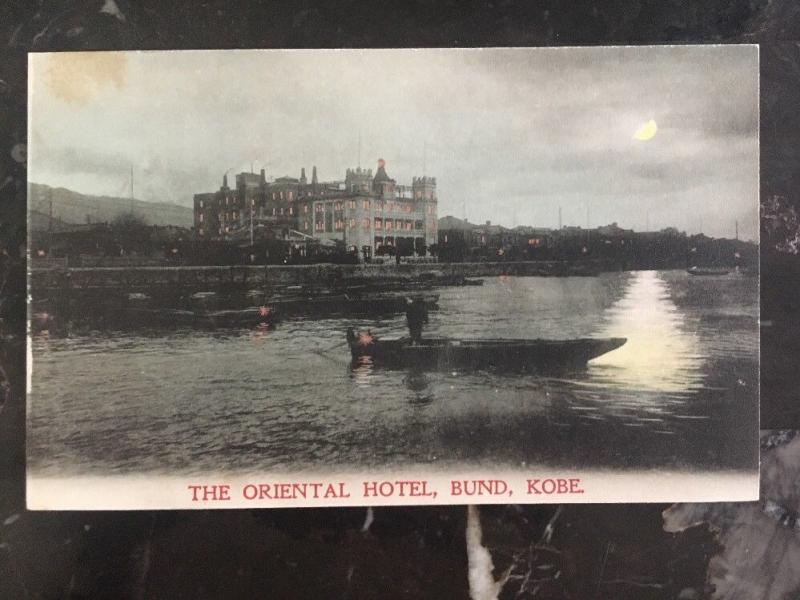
pixel 619 551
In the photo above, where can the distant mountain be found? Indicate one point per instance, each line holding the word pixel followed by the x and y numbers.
pixel 75 208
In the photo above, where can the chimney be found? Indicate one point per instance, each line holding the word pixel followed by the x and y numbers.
pixel 225 181
pixel 263 176
pixel 488 223
pixel 303 175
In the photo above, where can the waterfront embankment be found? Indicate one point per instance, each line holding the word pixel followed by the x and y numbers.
pixel 243 277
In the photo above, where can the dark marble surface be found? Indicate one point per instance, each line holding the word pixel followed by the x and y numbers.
pixel 613 551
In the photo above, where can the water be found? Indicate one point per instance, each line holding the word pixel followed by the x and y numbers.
pixel 682 393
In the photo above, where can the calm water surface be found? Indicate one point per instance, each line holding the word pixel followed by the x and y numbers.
pixel 682 393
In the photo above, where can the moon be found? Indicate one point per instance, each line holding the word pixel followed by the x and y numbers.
pixel 646 131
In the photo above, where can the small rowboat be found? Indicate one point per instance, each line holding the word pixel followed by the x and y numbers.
pixel 382 303
pixel 707 271
pixel 512 354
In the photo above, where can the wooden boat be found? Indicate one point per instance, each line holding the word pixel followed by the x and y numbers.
pixel 707 271
pixel 345 304
pixel 270 312
pixel 510 354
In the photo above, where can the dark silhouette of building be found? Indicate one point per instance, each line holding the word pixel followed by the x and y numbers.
pixel 462 241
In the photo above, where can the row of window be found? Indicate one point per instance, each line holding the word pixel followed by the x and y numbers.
pixel 380 205
pixel 399 224
pixel 281 211
pixel 338 206
pixel 365 224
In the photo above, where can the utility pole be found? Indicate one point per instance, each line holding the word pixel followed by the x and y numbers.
pixel 251 225
pixel 359 150
pixel 737 230
pixel 50 220
pixel 131 189
pixel 587 223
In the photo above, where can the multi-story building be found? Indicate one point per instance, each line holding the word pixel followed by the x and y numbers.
pixel 366 213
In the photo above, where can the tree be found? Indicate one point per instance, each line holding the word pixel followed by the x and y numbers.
pixel 131 233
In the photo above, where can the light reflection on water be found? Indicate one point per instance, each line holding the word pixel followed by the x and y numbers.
pixel 362 371
pixel 682 391
pixel 660 354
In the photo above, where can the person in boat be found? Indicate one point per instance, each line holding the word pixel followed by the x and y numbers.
pixel 416 317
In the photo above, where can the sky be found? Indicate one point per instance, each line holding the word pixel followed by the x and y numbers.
pixel 511 135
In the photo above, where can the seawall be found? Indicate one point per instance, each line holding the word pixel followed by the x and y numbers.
pixel 228 278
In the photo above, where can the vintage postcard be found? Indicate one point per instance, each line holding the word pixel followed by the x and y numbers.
pixel 371 277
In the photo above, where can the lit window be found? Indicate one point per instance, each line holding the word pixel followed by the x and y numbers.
pixel 201 217
pixel 352 223
pixel 290 195
pixel 201 204
pixel 388 224
pixel 365 224
pixel 366 204
pixel 378 224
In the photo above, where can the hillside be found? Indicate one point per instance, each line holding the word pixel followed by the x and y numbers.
pixel 75 208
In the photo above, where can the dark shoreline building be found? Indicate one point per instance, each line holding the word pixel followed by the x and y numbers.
pixel 365 214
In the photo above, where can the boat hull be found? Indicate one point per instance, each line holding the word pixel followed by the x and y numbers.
pixel 707 272
pixel 270 313
pixel 448 354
